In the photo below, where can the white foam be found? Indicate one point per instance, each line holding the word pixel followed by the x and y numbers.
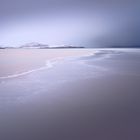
pixel 49 64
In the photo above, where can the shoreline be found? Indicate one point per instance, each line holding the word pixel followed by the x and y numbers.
pixel 48 64
pixel 81 96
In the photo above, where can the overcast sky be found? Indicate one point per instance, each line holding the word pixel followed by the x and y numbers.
pixel 90 23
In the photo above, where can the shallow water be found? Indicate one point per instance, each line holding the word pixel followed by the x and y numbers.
pixel 79 98
pixel 17 61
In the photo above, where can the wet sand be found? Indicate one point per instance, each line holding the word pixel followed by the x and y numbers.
pixel 15 61
pixel 83 98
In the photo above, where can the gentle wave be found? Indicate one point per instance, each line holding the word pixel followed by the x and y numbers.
pixel 49 64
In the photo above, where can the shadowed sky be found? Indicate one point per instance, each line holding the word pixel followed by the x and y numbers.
pixel 90 23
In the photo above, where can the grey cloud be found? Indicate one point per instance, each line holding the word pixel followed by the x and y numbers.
pixel 106 22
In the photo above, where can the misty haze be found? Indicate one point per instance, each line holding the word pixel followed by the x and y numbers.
pixel 69 70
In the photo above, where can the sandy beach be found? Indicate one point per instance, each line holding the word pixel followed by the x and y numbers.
pixel 82 97
pixel 15 61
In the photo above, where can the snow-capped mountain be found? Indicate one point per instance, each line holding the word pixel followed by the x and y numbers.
pixel 35 45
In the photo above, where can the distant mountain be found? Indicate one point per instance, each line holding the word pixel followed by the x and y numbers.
pixel 2 47
pixel 35 45
pixel 5 47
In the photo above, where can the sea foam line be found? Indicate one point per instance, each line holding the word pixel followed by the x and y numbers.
pixel 49 64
